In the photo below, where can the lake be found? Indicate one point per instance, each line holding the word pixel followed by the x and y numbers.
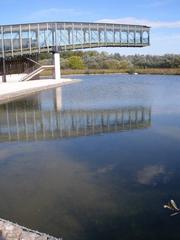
pixel 97 159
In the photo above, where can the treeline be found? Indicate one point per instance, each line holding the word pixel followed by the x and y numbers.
pixel 104 60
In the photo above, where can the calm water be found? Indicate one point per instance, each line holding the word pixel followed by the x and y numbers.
pixel 94 160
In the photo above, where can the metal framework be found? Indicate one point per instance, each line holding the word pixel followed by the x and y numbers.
pixel 59 36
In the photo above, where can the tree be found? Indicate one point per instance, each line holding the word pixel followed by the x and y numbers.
pixel 76 62
pixel 64 63
pixel 91 62
pixel 111 64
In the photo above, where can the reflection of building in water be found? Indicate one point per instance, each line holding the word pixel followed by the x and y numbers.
pixel 58 99
pixel 38 124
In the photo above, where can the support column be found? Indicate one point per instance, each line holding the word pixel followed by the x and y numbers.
pixel 3 55
pixel 57 66
pixel 4 70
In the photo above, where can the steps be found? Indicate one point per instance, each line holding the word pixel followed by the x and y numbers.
pixel 36 72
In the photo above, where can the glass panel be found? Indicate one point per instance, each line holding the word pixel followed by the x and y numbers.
pixel 7 39
pixel 110 37
pixel 33 36
pixel 16 37
pixel 42 38
pixel 86 36
pixel 138 37
pixel 78 36
pixel 51 34
pixel 117 36
pixel 58 40
pixel 0 43
pixel 94 36
pixel 124 37
pixel 25 39
pixel 145 37
pixel 131 37
pixel 102 36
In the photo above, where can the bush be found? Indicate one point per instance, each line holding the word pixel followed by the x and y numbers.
pixel 110 64
pixel 64 63
pixel 76 62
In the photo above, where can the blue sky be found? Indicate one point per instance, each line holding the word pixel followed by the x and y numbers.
pixel 162 15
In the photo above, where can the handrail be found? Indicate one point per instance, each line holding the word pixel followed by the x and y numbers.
pixel 36 72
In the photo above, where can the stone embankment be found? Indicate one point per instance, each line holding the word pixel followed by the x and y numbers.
pixel 11 231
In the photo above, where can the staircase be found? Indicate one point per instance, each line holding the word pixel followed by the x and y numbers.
pixel 36 72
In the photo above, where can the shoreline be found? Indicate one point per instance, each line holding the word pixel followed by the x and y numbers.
pixel 16 90
pixel 9 230
pixel 150 71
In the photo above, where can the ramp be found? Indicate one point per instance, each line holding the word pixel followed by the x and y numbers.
pixel 36 72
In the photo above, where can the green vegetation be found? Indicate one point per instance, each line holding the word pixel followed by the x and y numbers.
pixel 87 62
pixel 75 62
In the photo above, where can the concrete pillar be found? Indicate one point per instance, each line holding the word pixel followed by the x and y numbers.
pixel 4 71
pixel 57 66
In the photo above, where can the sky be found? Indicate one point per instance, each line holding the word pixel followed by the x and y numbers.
pixel 162 15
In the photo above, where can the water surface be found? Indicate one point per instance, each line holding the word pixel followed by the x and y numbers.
pixel 94 160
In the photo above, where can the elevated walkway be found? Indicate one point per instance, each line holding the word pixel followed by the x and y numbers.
pixel 32 38
pixel 54 37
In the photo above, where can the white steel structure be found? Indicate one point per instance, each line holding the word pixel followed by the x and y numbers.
pixel 58 36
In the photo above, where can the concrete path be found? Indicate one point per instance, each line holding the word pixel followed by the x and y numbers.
pixel 11 231
pixel 10 91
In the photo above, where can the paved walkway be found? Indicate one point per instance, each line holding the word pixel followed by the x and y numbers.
pixel 11 231
pixel 9 91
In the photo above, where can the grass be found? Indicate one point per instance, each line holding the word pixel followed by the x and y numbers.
pixel 164 71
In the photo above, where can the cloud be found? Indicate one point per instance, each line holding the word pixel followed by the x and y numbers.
pixel 154 24
pixel 149 174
